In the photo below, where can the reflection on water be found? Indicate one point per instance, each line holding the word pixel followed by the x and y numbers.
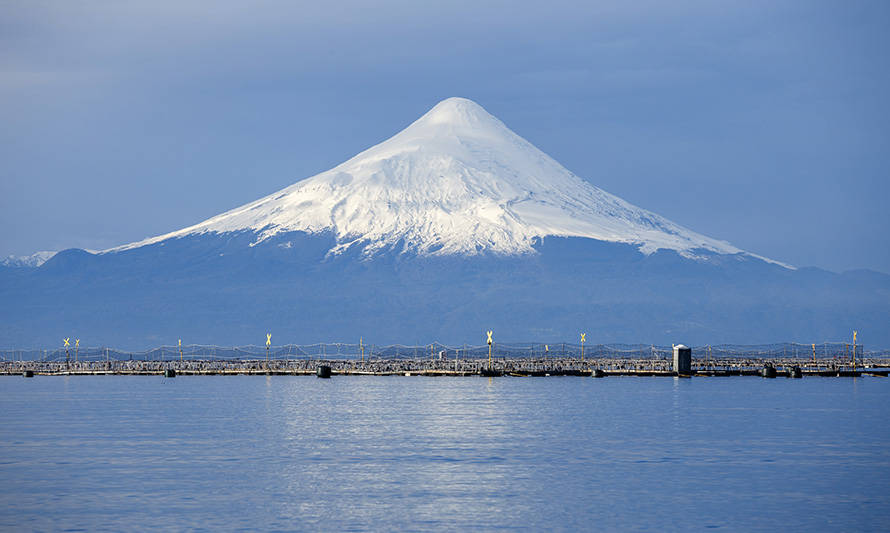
pixel 381 453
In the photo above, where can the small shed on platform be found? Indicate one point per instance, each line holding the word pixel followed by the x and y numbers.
pixel 682 359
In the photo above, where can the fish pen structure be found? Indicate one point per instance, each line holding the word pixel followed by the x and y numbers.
pixel 440 359
pixel 368 352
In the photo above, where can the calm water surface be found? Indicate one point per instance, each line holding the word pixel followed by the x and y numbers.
pixel 391 453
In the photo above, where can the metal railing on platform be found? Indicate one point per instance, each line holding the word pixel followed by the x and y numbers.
pixel 369 352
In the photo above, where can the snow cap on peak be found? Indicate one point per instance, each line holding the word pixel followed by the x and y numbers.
pixel 454 117
pixel 456 181
pixel 457 111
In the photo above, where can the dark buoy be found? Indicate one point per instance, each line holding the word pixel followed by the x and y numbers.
pixel 769 371
pixel 324 371
pixel 795 372
pixel 28 373
pixel 169 373
pixel 598 373
pixel 489 373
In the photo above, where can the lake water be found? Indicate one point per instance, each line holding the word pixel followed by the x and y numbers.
pixel 396 453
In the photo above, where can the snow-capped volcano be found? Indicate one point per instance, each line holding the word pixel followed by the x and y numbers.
pixel 477 211
pixel 456 181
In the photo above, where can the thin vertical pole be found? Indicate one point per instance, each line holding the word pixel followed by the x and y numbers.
pixel 490 341
pixel 854 351
pixel 583 338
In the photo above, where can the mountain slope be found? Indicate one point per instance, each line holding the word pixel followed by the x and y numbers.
pixel 456 181
pixel 27 261
pixel 452 227
pixel 217 289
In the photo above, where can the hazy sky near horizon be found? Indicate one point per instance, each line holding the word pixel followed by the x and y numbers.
pixel 766 124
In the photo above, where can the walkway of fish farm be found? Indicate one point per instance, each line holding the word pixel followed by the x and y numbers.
pixel 519 367
pixel 523 359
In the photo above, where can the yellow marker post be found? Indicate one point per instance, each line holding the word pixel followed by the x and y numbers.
pixel 583 339
pixel 180 350
pixel 490 342
pixel 67 344
pixel 268 344
pixel 546 351
pixel 361 346
pixel 76 348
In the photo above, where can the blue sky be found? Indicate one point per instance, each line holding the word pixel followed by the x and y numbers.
pixel 766 124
